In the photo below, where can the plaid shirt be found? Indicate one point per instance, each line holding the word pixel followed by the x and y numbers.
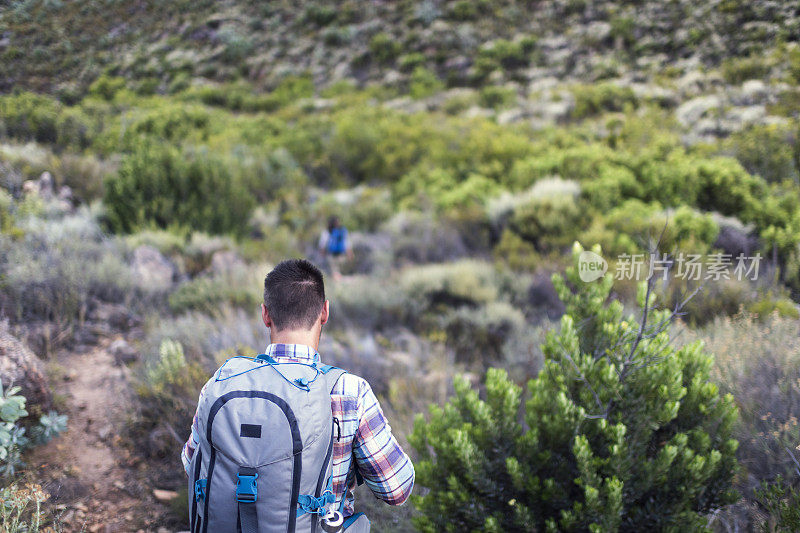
pixel 365 437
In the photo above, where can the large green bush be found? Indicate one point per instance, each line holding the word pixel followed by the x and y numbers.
pixel 550 223
pixel 160 186
pixel 621 431
pixel 32 117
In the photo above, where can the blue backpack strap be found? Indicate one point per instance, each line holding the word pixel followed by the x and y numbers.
pixel 246 497
pixel 267 358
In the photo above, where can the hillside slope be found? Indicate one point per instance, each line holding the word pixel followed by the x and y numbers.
pixel 57 46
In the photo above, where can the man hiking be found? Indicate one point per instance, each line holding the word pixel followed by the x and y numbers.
pixel 279 441
pixel 334 243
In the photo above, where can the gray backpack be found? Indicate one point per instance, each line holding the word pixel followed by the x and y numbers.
pixel 264 460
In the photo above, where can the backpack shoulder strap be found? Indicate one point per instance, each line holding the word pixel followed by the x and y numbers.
pixel 331 375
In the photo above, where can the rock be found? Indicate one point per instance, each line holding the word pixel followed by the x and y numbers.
pixel 392 77
pixel 46 185
pixel 743 116
pixel 164 495
pixel 754 92
pixel 543 297
pixel 734 238
pixel 692 83
pixel 511 115
pixel 690 112
pixel 151 269
pixel 541 85
pixel 655 93
pixel 458 64
pixel 556 111
pixel 597 32
pixel 478 112
pixel 30 187
pixel 123 352
pixel 225 262
pixel 116 316
pixel 19 366
pixel 65 193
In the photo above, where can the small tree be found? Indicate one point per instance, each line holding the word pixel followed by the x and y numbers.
pixel 621 431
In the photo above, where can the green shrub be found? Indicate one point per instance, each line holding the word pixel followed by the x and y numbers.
pixel 624 29
pixel 509 55
pixel 770 151
pixel 463 10
pixel 410 62
pixel 766 306
pixel 384 48
pixel 209 294
pixel 335 36
pixel 107 87
pixel 6 214
pixel 437 287
pixel 481 335
pixel 549 223
pixel 497 97
pixel 160 187
pixel 623 432
pixel 237 46
pixel 781 501
pixel 634 226
pixel 424 83
pixel 718 298
pixel 61 267
pixel 321 15
pixel 516 252
pixel 167 391
pixel 737 69
pixel 591 100
pixel 367 304
pixel 31 117
pixel 13 441
pixel 21 508
pixel 172 123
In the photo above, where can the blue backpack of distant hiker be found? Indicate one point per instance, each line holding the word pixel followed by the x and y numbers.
pixel 336 241
pixel 263 463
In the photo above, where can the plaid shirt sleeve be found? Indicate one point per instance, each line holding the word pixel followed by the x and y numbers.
pixel 383 464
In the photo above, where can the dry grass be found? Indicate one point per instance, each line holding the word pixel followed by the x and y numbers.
pixel 758 362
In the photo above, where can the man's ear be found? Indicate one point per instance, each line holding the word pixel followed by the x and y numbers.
pixel 326 312
pixel 265 316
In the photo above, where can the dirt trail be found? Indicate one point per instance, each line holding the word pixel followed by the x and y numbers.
pixel 95 484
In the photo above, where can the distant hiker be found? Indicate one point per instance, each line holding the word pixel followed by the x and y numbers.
pixel 280 440
pixel 334 243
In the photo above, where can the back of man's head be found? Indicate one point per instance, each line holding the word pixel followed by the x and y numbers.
pixel 294 294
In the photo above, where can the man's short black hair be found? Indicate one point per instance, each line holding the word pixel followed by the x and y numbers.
pixel 294 294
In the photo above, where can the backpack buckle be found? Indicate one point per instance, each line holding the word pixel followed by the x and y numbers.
pixel 200 490
pixel 246 487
